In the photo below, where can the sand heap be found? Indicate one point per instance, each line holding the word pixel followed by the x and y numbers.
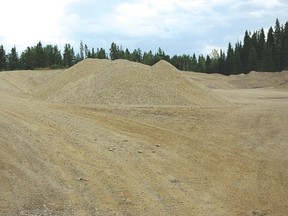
pixel 278 80
pixel 120 82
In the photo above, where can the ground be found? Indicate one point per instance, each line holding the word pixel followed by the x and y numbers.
pixel 63 159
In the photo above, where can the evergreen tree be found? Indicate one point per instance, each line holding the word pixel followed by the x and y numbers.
pixel 39 56
pixel 3 61
pixel 230 60
pixel 27 59
pixel 268 55
pixel 128 55
pixel 87 51
pixel 215 60
pixel 114 51
pixel 253 60
pixel 260 47
pixel 57 57
pixel 246 50
pixel 49 56
pixel 278 46
pixel 237 58
pixel 201 63
pixel 68 55
pixel 13 60
pixel 194 63
pixel 208 64
pixel 285 47
pixel 187 62
pixel 93 54
pixel 81 51
pixel 101 54
pixel 160 55
pixel 137 55
pixel 222 63
pixel 148 58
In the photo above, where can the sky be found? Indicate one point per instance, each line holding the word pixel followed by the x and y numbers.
pixel 177 26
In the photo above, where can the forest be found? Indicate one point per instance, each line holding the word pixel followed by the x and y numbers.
pixel 257 52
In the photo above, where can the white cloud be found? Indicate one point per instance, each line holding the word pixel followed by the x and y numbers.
pixel 172 24
pixel 27 22
pixel 162 18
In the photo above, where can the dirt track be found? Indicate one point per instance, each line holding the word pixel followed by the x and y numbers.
pixel 63 159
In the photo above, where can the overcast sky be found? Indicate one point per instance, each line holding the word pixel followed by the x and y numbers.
pixel 177 26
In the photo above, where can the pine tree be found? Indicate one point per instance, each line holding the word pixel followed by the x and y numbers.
pixel 81 51
pixel 237 58
pixel 246 50
pixel 13 60
pixel 260 48
pixel 101 53
pixel 160 55
pixel 222 63
pixel 49 55
pixel 208 64
pixel 148 58
pixel 68 55
pixel 27 59
pixel 57 57
pixel 128 55
pixel 194 63
pixel 114 51
pixel 201 63
pixel 39 56
pixel 230 60
pixel 93 54
pixel 3 61
pixel 253 60
pixel 268 55
pixel 285 47
pixel 278 45
pixel 137 55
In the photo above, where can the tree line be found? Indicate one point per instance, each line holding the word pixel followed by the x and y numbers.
pixel 257 52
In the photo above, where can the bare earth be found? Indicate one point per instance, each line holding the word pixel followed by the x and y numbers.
pixel 95 140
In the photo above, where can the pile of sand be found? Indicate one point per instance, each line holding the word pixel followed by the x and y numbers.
pixel 25 82
pixel 121 82
pixel 261 80
pixel 277 80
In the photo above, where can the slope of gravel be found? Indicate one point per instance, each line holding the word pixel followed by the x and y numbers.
pixel 277 80
pixel 120 82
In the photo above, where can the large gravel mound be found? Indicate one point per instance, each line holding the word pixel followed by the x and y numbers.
pixel 121 82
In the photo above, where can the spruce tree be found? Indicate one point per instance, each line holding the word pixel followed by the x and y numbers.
pixel 237 58
pixel 27 59
pixel 230 60
pixel 101 53
pixel 81 51
pixel 208 64
pixel 260 48
pixel 68 56
pixel 114 51
pixel 13 60
pixel 246 50
pixel 268 55
pixel 39 56
pixel 148 58
pixel 278 45
pixel 222 62
pixel 253 60
pixel 285 47
pixel 3 61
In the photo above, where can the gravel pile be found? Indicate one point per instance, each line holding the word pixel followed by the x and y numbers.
pixel 121 82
